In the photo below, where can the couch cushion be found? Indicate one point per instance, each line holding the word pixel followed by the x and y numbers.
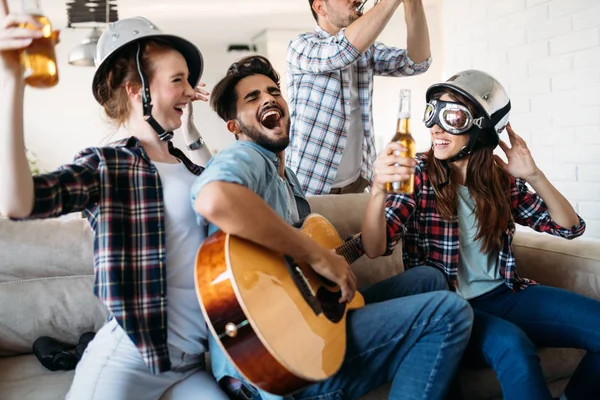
pixel 60 307
pixel 24 378
pixel 44 248
pixel 575 264
pixel 46 283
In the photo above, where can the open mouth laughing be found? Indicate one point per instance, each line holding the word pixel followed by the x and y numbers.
pixel 441 143
pixel 179 108
pixel 270 117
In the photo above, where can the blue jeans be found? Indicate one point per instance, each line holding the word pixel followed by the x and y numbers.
pixel 413 340
pixel 509 325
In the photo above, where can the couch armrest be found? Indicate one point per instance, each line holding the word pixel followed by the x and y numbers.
pixel 568 264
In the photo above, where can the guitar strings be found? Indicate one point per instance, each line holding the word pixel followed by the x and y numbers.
pixel 349 250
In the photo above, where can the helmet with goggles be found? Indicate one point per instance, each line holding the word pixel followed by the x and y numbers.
pixel 489 99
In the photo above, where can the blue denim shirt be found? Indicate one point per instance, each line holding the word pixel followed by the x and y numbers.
pixel 250 165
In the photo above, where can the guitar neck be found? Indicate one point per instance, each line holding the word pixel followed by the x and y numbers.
pixel 350 250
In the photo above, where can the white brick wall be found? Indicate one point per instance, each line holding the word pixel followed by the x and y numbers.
pixel 547 54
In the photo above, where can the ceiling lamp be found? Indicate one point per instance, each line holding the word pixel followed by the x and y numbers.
pixel 88 14
pixel 83 55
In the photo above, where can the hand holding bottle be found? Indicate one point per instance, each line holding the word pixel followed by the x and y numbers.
pixel 406 150
pixel 14 38
pixel 39 58
pixel 392 166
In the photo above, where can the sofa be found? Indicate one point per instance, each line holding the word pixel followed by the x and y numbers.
pixel 46 278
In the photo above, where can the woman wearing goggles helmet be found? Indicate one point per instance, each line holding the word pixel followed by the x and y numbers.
pixel 461 221
pixel 135 192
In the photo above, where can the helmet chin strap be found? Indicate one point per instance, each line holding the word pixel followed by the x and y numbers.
pixel 163 134
pixel 465 151
pixel 468 149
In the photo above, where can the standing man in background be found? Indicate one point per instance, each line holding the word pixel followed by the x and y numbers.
pixel 330 89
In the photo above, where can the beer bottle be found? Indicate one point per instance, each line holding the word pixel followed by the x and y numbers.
pixel 403 137
pixel 39 58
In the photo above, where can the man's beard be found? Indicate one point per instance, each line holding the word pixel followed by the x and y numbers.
pixel 342 21
pixel 273 145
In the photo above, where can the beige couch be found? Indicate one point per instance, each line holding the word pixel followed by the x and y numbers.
pixel 46 289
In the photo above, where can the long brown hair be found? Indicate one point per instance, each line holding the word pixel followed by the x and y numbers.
pixel 489 186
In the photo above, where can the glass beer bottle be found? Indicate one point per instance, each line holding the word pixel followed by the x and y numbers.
pixel 404 137
pixel 39 58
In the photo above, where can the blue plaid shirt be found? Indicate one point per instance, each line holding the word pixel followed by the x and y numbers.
pixel 119 190
pixel 318 75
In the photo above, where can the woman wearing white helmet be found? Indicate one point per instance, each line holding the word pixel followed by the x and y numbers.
pixel 461 220
pixel 135 193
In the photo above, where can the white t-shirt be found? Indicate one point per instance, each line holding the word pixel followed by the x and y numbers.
pixel 187 330
pixel 350 165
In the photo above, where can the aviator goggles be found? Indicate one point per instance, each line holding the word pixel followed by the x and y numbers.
pixel 454 118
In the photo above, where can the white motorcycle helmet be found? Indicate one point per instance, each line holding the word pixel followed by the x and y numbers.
pixel 489 97
pixel 129 31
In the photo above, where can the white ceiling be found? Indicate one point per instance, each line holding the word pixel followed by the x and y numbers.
pixel 219 21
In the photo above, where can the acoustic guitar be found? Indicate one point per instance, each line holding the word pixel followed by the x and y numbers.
pixel 278 321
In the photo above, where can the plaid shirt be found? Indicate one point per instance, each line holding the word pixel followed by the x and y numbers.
pixel 119 190
pixel 318 74
pixel 428 239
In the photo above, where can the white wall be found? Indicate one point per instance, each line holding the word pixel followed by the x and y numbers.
pixel 387 90
pixel 547 54
pixel 64 119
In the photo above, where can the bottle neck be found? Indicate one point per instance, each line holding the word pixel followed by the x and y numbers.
pixel 403 126
pixel 404 112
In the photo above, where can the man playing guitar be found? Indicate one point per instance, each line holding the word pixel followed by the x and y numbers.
pixel 413 340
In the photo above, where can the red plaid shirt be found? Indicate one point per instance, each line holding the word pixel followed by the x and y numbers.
pixel 119 190
pixel 428 239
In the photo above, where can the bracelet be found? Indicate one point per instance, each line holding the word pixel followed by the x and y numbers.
pixel 196 144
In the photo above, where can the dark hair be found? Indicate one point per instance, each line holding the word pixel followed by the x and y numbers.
pixel 489 186
pixel 224 99
pixel 111 91
pixel 315 16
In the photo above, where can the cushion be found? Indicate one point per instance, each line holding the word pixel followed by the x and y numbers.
pixel 46 278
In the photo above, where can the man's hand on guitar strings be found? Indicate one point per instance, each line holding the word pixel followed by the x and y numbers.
pixel 335 268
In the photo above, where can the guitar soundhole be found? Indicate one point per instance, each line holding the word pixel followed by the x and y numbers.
pixel 324 301
pixel 327 282
pixel 330 304
pixel 302 285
